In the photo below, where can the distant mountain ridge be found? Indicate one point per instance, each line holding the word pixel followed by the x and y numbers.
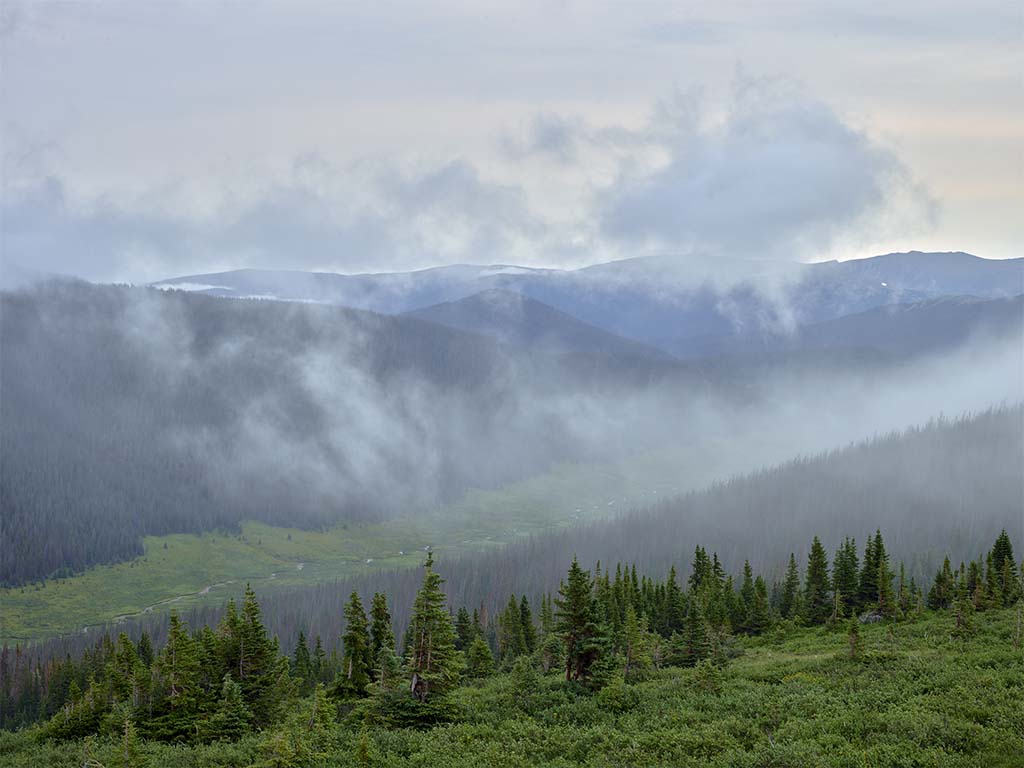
pixel 638 299
pixel 516 319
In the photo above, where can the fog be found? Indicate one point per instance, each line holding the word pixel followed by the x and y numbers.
pixel 133 411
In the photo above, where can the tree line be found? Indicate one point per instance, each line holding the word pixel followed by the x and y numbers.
pixel 219 683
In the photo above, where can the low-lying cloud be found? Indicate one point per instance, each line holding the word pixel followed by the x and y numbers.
pixel 768 174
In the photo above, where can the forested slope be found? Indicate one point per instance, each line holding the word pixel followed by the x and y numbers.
pixel 949 486
pixel 132 411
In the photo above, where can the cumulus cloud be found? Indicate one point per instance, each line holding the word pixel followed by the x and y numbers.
pixel 768 174
pixel 775 174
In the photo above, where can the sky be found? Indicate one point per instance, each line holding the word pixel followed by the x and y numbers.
pixel 147 140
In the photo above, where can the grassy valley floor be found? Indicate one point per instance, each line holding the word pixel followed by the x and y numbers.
pixel 184 570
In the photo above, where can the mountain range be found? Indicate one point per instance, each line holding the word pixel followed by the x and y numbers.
pixel 645 307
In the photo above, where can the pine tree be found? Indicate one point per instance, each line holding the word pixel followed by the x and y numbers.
pixel 232 719
pixel 433 662
pixel 511 643
pixel 696 642
pixel 747 587
pixel 700 569
pixel 479 659
pixel 177 668
pixel 1002 554
pixel 845 575
pixel 636 651
pixel 578 624
pixel 675 605
pixel 127 753
pixel 759 616
pixel 529 630
pixel 867 591
pixel 356 666
pixel 464 629
pixel 942 592
pixel 302 663
pixel 817 602
pixel 145 650
pixel 382 643
pixel 789 602
pixel 262 671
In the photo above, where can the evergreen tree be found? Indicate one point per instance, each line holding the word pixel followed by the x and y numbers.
pixel 145 650
pixel 817 602
pixel 696 642
pixel 789 601
pixel 232 719
pixel 479 659
pixel 943 589
pixel 433 662
pixel 636 653
pixel 578 624
pixel 845 578
pixel 356 664
pixel 177 668
pixel 529 630
pixel 747 587
pixel 262 672
pixel 700 569
pixel 675 605
pixel 759 616
pixel 302 663
pixel 511 643
pixel 464 629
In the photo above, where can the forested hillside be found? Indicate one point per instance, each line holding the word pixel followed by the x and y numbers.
pixel 607 644
pixel 131 411
pixel 914 485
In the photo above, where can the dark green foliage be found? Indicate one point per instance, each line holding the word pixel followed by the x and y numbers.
pixel 356 661
pixel 943 589
pixel 817 600
pixel 528 628
pixel 479 659
pixel 579 624
pixel 433 662
pixel 789 602
pixel 759 614
pixel 845 578
pixel 231 719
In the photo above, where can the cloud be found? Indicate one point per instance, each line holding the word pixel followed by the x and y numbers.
pixel 774 175
pixel 770 174
pixel 364 217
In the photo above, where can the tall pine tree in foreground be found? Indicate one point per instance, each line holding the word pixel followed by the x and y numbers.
pixel 817 601
pixel 578 624
pixel 356 664
pixel 433 662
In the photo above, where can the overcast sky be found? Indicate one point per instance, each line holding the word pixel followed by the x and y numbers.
pixel 145 140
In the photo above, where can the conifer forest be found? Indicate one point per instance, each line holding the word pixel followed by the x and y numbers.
pixel 511 385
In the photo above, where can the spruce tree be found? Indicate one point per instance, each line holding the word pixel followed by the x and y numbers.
pixel 696 642
pixel 433 662
pixel 464 629
pixel 479 659
pixel 356 663
pixel 845 578
pixel 177 668
pixel 231 719
pixel 817 602
pixel 759 616
pixel 636 653
pixel 302 663
pixel 789 602
pixel 942 592
pixel 578 624
pixel 145 650
pixel 529 630
pixel 262 671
